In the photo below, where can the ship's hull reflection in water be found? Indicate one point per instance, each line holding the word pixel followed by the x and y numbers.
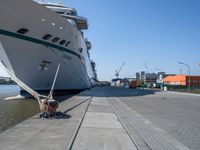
pixel 14 111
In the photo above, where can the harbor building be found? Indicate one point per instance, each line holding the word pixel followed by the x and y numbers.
pixel 150 78
pixel 142 77
pixel 182 80
pixel 162 76
pixel 137 76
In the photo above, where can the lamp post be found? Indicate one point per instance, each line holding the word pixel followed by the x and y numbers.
pixel 188 73
pixel 160 77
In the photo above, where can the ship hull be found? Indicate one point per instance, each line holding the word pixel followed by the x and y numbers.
pixel 33 59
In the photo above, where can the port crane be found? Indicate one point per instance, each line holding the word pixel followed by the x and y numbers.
pixel 118 71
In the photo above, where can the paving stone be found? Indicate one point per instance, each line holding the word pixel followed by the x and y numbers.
pixel 177 114
pixel 100 108
pixel 101 120
pixel 103 139
pixel 154 137
pixel 99 101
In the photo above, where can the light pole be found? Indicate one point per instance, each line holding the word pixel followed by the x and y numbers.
pixel 188 73
pixel 160 76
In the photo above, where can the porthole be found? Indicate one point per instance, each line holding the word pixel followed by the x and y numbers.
pixel 56 39
pixel 67 43
pixel 22 31
pixel 47 36
pixel 62 42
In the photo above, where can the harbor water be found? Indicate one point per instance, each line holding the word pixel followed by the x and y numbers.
pixel 14 111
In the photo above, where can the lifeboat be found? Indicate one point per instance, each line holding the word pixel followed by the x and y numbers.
pixel 88 44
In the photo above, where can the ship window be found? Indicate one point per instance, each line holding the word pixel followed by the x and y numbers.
pixel 56 39
pixel 22 31
pixel 67 43
pixel 62 42
pixel 59 12
pixel 47 36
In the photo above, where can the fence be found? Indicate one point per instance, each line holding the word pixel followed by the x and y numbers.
pixel 184 89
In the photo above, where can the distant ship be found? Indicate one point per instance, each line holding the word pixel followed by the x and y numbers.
pixel 37 36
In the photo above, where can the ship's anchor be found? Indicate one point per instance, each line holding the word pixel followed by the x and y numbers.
pixel 47 104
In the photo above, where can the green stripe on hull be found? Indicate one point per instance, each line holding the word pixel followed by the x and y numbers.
pixel 34 40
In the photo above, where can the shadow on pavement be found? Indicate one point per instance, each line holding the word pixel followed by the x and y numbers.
pixel 117 92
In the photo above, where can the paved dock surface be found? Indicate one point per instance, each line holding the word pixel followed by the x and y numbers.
pixel 107 118
pixel 47 134
pixel 176 114
pixel 101 129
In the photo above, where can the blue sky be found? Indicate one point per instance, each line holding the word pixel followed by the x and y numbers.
pixel 159 33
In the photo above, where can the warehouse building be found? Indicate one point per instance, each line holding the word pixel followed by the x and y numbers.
pixel 182 80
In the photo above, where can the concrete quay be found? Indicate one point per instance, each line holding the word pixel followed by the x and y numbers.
pixel 101 128
pixel 107 118
pixel 47 134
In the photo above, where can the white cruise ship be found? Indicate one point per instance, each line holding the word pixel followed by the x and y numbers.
pixel 36 37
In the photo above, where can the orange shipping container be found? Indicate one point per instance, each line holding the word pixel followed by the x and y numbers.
pixel 182 80
pixel 133 84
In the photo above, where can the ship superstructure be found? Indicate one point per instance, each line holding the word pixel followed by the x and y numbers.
pixel 36 37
